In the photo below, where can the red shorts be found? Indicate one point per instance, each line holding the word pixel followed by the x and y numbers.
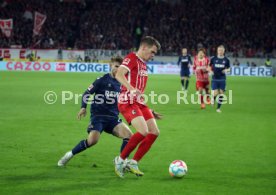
pixel 202 84
pixel 131 111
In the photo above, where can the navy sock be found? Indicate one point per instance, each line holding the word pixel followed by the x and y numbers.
pixel 182 82
pixel 80 147
pixel 125 141
pixel 220 100
pixel 187 84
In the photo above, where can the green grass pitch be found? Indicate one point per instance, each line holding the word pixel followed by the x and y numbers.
pixel 229 153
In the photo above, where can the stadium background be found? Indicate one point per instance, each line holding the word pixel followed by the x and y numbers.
pixel 231 153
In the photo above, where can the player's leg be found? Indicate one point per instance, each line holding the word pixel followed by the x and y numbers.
pixel 187 77
pixel 122 131
pixel 94 130
pixel 141 127
pixel 146 142
pixel 199 86
pixel 215 91
pixel 133 116
pixel 220 96
pixel 182 82
pixel 207 92
pixel 92 139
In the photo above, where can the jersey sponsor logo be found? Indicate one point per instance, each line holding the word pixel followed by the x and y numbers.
pixel 126 61
pixel 219 65
pixel 184 60
pixel 112 94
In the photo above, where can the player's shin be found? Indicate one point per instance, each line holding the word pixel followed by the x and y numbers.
pixel 131 145
pixel 145 146
pixel 220 100
pixel 83 145
pixel 182 82
pixel 124 143
pixel 187 84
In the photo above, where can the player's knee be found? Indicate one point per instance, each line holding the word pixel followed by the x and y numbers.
pixel 155 132
pixel 91 142
pixel 128 134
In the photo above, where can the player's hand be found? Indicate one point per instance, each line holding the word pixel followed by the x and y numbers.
pixel 82 113
pixel 157 115
pixel 225 71
pixel 134 91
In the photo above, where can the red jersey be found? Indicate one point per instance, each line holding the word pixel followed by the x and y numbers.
pixel 137 74
pixel 200 68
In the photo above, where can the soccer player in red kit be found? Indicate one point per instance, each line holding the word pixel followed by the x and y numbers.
pixel 201 64
pixel 133 76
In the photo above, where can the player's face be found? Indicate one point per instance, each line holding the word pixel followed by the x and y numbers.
pixel 114 67
pixel 200 54
pixel 184 51
pixel 149 52
pixel 220 51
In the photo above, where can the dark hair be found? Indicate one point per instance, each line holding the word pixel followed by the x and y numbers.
pixel 150 41
pixel 118 59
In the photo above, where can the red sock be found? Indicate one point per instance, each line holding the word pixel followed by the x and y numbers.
pixel 131 145
pixel 144 146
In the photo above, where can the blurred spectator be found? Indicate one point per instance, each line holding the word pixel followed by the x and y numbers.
pixel 253 64
pixel 268 63
pixel 87 59
pixel 236 62
pixel 79 58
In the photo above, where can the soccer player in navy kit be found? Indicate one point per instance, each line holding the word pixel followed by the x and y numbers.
pixel 184 61
pixel 220 65
pixel 104 112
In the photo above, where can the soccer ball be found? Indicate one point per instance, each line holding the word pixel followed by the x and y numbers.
pixel 178 168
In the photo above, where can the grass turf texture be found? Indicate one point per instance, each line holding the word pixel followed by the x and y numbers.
pixel 228 153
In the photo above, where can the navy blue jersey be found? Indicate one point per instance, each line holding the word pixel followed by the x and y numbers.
pixel 184 61
pixel 218 65
pixel 106 90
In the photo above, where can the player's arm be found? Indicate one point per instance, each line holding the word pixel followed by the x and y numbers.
pixel 190 62
pixel 210 66
pixel 194 66
pixel 227 67
pixel 85 98
pixel 120 76
pixel 179 60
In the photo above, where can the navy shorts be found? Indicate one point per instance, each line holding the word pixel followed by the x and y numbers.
pixel 103 123
pixel 218 84
pixel 184 72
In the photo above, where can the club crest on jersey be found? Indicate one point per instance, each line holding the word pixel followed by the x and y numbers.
pixel 109 85
pixel 143 73
pixel 133 112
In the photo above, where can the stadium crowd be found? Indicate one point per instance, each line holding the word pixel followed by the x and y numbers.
pixel 245 27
